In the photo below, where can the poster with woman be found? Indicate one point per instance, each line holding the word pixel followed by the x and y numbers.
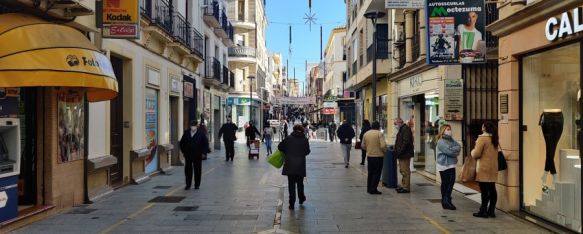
pixel 151 128
pixel 71 128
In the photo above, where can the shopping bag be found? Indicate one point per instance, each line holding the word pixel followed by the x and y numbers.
pixel 502 165
pixel 276 159
pixel 468 169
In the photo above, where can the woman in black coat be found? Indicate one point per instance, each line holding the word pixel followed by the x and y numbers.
pixel 363 130
pixel 295 147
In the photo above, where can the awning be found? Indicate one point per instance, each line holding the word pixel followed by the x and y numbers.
pixel 35 52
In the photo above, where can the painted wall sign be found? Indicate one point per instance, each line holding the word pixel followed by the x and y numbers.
pixel 568 24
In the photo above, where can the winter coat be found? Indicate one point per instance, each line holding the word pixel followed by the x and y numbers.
pixel 194 146
pixel 228 131
pixel 363 130
pixel 345 132
pixel 486 156
pixel 295 147
pixel 374 143
pixel 404 143
pixel 447 151
pixel 332 127
pixel 250 132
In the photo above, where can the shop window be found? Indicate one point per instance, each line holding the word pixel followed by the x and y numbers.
pixel 550 153
pixel 71 105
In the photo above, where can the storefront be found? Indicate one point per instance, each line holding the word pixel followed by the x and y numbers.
pixel 47 79
pixel 421 100
pixel 540 112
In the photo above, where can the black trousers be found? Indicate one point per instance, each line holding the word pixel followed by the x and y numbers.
pixel 552 127
pixel 447 182
pixel 489 196
pixel 230 150
pixel 363 156
pixel 293 181
pixel 193 162
pixel 375 167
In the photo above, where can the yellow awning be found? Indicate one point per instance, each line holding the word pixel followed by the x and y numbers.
pixel 35 52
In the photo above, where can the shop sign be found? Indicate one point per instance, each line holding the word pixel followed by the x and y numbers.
pixel 569 24
pixel 456 32
pixel 9 102
pixel 404 4
pixel 294 100
pixel 188 90
pixel 420 83
pixel 330 98
pixel 330 104
pixel 453 99
pixel 329 111
pixel 121 19
pixel 230 101
pixel 3 199
pixel 153 77
pixel 243 101
pixel 176 85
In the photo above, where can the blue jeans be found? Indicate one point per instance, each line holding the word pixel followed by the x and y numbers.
pixel 346 152
pixel 268 145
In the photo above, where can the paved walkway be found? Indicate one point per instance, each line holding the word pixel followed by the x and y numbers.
pixel 251 197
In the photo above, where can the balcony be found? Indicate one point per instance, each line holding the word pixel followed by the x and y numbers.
pixel 229 40
pixel 243 23
pixel 221 31
pixel 491 16
pixel 212 13
pixel 242 54
pixel 212 72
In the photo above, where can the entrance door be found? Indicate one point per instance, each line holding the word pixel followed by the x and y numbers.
pixel 216 128
pixel 116 125
pixel 28 125
pixel 174 128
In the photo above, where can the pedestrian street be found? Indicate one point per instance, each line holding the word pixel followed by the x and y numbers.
pixel 250 196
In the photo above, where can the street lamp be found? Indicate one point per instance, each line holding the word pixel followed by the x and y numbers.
pixel 373 16
pixel 250 97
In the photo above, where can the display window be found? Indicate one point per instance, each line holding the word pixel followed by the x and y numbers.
pixel 551 119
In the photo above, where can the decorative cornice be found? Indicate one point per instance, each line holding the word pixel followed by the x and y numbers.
pixel 535 12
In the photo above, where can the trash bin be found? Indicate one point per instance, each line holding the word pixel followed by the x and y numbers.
pixel 390 168
pixel 8 198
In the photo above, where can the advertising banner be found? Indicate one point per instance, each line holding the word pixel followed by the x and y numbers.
pixel 454 99
pixel 151 129
pixel 456 32
pixel 121 19
pixel 294 100
pixel 404 4
pixel 328 111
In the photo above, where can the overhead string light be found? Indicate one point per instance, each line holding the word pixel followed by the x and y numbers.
pixel 310 17
pixel 290 40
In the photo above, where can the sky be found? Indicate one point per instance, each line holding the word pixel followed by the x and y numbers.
pixel 305 43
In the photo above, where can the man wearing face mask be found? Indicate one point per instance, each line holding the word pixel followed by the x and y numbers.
pixel 193 145
pixel 228 131
pixel 404 151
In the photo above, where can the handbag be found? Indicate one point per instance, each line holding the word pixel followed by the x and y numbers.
pixel 276 159
pixel 468 169
pixel 357 145
pixel 502 165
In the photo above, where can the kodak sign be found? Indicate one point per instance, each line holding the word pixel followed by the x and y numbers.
pixel 121 18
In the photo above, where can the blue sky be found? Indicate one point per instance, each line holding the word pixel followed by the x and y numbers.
pixel 305 43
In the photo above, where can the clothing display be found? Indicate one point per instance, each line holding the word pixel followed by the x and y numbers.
pixel 551 123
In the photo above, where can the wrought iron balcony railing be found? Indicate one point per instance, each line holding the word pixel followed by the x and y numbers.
pixel 242 51
pixel 212 8
pixel 212 69
pixel 225 75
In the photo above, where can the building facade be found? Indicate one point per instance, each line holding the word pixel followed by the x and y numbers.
pixel 334 74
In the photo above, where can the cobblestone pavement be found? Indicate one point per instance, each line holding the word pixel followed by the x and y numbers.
pixel 250 196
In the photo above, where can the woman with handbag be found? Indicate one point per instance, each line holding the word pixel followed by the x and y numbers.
pixel 447 151
pixel 295 147
pixel 486 154
pixel 363 130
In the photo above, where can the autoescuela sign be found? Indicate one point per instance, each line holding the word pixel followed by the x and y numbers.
pixel 456 32
pixel 121 19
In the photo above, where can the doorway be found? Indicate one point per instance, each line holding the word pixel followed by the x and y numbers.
pixel 116 125
pixel 174 128
pixel 27 183
pixel 216 128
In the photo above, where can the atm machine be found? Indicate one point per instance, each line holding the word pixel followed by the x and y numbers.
pixel 9 167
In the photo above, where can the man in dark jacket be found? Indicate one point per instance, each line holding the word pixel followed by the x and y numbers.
pixel 193 145
pixel 228 131
pixel 295 147
pixel 332 131
pixel 250 133
pixel 345 134
pixel 404 151
pixel 363 130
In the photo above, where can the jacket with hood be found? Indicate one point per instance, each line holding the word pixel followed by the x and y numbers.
pixel 295 147
pixel 345 132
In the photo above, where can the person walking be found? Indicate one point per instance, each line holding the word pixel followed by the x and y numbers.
pixel 346 133
pixel 193 145
pixel 373 143
pixel 250 133
pixel 363 130
pixel 447 151
pixel 228 131
pixel 404 151
pixel 295 147
pixel 486 154
pixel 332 131
pixel 268 138
pixel 202 128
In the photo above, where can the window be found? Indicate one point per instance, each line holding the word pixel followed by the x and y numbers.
pixel 241 10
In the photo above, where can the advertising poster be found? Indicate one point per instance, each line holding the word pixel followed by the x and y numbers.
pixel 454 99
pixel 456 32
pixel 71 131
pixel 9 102
pixel 151 136
pixel 121 19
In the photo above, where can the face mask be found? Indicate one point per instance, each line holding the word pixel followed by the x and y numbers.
pixel 447 132
pixel 193 128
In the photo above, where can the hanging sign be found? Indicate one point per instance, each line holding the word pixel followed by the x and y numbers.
pixel 454 99
pixel 456 32
pixel 121 19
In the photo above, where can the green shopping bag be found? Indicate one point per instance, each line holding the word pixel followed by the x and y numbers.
pixel 276 159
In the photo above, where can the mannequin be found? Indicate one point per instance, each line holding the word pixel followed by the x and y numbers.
pixel 551 122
